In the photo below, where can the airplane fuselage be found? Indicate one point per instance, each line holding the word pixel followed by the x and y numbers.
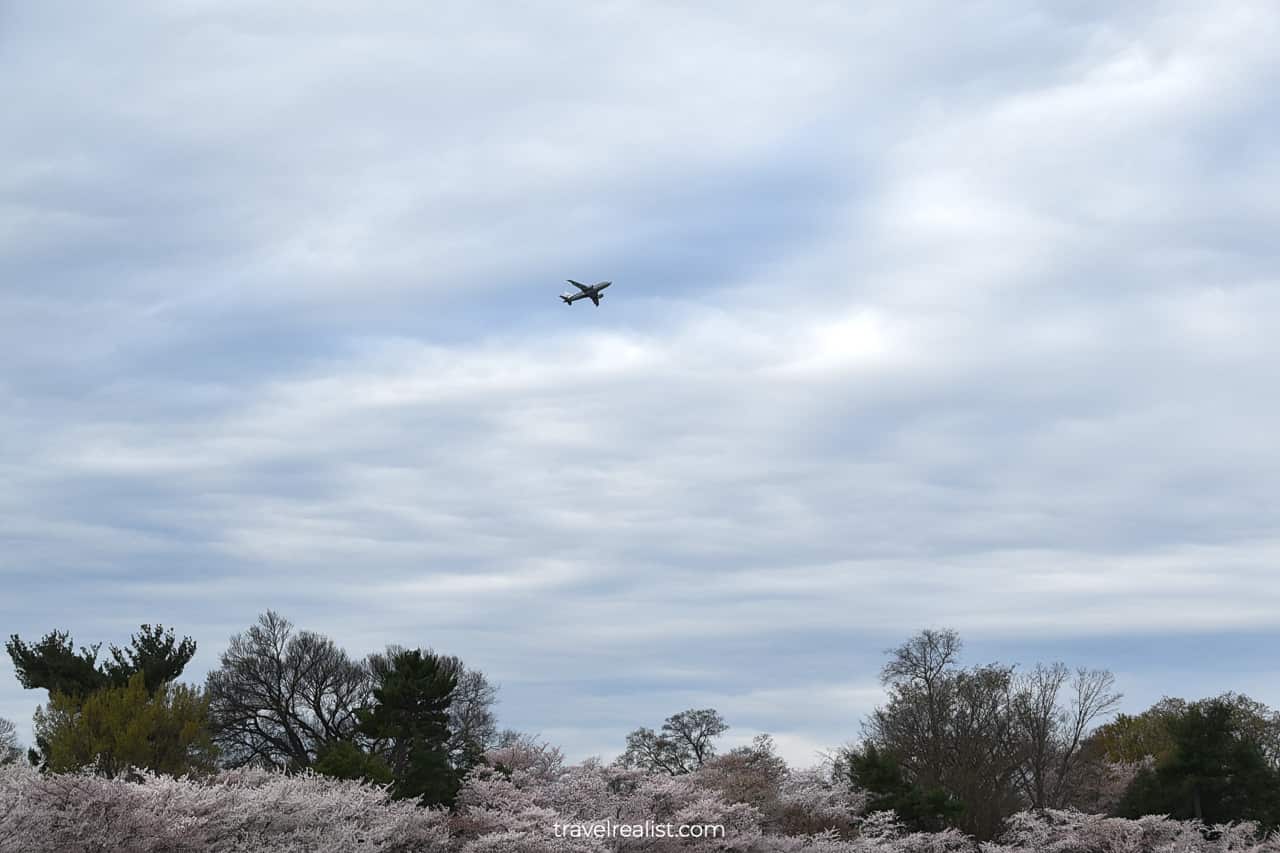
pixel 585 291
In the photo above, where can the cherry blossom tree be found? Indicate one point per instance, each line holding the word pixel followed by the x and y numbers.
pixel 524 806
pixel 244 810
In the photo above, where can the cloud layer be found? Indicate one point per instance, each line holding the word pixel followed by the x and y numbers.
pixel 939 315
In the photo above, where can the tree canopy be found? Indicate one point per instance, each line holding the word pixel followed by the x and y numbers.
pixel 278 695
pixel 53 664
pixel 967 746
pixel 1215 770
pixel 684 744
pixel 408 715
pixel 118 728
pixel 920 808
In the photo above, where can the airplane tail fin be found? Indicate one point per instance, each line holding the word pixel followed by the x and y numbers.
pixel 567 300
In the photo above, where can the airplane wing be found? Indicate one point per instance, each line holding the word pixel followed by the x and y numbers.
pixel 595 297
pixel 578 285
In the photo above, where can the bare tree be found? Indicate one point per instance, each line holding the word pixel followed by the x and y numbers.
pixel 278 696
pixel 695 730
pixel 648 750
pixel 1054 728
pixel 951 729
pixel 921 677
pixel 9 751
pixel 473 727
pixel 924 659
pixel 985 751
pixel 994 740
pixel 683 745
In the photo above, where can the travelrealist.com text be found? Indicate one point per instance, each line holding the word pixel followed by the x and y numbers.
pixel 648 829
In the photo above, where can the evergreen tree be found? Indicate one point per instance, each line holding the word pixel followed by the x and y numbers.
pixel 117 728
pixel 410 715
pixel 54 665
pixel 1215 771
pixel 919 808
pixel 155 653
pixel 344 759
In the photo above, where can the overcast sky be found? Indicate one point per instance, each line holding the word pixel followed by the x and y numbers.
pixel 923 315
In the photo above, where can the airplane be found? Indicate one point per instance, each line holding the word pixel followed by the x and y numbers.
pixel 588 291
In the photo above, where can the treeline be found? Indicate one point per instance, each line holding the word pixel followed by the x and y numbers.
pixel 279 699
pixel 954 747
pixel 967 747
pixel 970 746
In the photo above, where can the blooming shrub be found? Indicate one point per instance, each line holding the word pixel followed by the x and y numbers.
pixel 516 811
pixel 234 811
pixel 522 810
pixel 491 803
pixel 810 803
pixel 524 754
pixel 1073 832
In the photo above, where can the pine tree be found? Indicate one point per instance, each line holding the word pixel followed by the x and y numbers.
pixel 54 665
pixel 410 715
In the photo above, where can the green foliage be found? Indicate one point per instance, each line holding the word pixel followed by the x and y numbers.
pixel 428 777
pixel 343 759
pixel 154 653
pixel 54 665
pixel 919 808
pixel 117 728
pixel 1129 739
pixel 467 755
pixel 1215 770
pixel 410 713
